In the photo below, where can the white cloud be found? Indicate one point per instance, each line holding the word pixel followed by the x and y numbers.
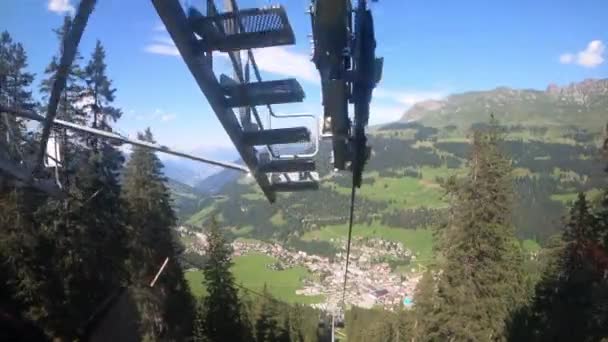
pixel 167 117
pixel 590 57
pixel 162 44
pixel 282 61
pixel 389 105
pixel 275 60
pixel 160 27
pixel 380 114
pixel 61 6
pixel 162 49
pixel 566 58
pixel 407 98
pixel 158 115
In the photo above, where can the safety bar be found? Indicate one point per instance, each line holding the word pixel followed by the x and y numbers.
pixel 316 139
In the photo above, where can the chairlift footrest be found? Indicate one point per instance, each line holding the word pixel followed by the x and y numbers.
pixel 261 93
pixel 295 186
pixel 288 165
pixel 263 27
pixel 276 136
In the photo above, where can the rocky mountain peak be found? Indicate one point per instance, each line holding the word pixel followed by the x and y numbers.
pixel 577 90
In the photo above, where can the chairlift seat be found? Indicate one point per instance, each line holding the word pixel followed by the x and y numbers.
pixel 261 93
pixel 276 136
pixel 288 165
pixel 262 27
pixel 291 186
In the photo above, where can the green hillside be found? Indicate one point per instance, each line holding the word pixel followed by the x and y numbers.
pixel 581 104
pixel 187 201
pixel 552 137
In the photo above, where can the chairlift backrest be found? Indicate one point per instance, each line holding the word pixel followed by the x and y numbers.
pixel 53 156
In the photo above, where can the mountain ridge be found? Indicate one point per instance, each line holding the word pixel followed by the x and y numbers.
pixel 581 103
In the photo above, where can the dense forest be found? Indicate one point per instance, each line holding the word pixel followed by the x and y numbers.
pixel 71 266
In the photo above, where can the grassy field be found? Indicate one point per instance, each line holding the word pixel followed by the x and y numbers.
pixel 530 246
pixel 278 219
pixel 253 196
pixel 568 198
pixel 420 241
pixel 198 218
pixel 403 192
pixel 432 173
pixel 195 280
pixel 242 231
pixel 251 272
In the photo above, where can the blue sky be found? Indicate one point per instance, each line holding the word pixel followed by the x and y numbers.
pixel 431 47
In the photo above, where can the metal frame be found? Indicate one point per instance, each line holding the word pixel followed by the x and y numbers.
pixel 316 140
pixel 199 64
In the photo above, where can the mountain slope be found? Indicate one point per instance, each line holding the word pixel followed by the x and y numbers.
pixel 552 137
pixel 583 104
pixel 186 199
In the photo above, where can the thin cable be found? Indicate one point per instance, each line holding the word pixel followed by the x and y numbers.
pixel 350 231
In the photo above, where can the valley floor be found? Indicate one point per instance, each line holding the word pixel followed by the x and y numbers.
pixel 381 273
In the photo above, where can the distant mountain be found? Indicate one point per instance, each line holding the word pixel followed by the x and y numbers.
pixel 583 104
pixel 192 172
pixel 214 183
pixel 186 171
pixel 186 200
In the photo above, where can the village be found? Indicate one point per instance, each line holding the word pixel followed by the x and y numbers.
pixel 371 281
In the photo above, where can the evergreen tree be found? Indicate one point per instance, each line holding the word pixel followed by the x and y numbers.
pixel 151 220
pixel 480 279
pixel 99 93
pixel 22 255
pixel 222 316
pixel 363 325
pixel 426 305
pixel 266 325
pixel 571 298
pixel 198 333
pixel 15 82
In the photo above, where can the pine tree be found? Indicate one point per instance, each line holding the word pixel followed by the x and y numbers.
pixel 198 333
pixel 151 220
pixel 99 93
pixel 480 280
pixel 602 212
pixel 22 256
pixel 426 305
pixel 570 302
pixel 266 325
pixel 222 315
pixel 571 298
pixel 15 82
